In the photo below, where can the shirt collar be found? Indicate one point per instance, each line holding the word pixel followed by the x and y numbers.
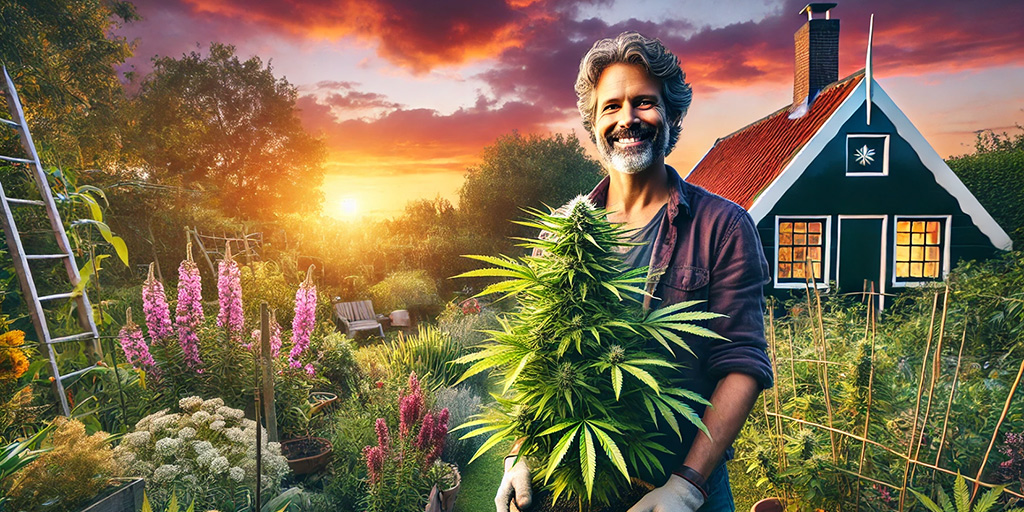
pixel 677 200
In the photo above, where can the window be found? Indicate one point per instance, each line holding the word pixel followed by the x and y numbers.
pixel 920 248
pixel 867 155
pixel 800 250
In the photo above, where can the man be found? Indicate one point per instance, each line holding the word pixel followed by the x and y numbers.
pixel 632 97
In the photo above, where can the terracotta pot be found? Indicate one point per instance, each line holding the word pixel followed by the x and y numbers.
pixel 444 500
pixel 769 505
pixel 307 454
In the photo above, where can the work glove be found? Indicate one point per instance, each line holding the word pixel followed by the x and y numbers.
pixel 515 482
pixel 677 495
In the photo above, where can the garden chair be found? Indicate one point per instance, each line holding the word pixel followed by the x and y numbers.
pixel 353 317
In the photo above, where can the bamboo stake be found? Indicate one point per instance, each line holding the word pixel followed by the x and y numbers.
pixel 995 434
pixel 871 387
pixel 917 407
pixel 903 456
pixel 936 367
pixel 792 357
pixel 952 391
pixel 823 368
pixel 776 391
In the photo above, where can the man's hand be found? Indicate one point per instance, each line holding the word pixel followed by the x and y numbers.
pixel 516 480
pixel 677 495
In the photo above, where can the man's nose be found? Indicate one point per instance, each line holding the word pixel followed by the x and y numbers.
pixel 628 117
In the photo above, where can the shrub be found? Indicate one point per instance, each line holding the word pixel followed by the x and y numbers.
pixel 403 290
pixel 206 454
pixel 462 403
pixel 75 470
pixel 430 353
pixel 336 360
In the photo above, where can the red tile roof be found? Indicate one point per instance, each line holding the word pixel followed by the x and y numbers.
pixel 741 165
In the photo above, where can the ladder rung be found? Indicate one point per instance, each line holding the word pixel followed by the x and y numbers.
pixel 73 337
pixel 35 202
pixel 17 160
pixel 10 123
pixel 57 296
pixel 45 256
pixel 76 373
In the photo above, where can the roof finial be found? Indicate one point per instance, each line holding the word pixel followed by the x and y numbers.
pixel 867 67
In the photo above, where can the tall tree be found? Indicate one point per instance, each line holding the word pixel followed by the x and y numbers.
pixel 230 128
pixel 62 59
pixel 995 175
pixel 524 172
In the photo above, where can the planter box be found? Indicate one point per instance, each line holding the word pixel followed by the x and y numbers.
pixel 126 498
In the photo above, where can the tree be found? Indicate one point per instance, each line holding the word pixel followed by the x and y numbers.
pixel 994 173
pixel 524 172
pixel 62 59
pixel 229 128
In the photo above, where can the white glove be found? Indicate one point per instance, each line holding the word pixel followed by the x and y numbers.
pixel 677 495
pixel 517 480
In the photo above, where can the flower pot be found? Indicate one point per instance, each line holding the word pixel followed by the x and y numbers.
pixel 769 505
pixel 444 500
pixel 125 498
pixel 307 454
pixel 320 401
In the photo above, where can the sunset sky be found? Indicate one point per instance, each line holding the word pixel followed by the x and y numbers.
pixel 406 93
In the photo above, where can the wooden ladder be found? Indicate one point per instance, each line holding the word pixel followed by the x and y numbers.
pixel 21 259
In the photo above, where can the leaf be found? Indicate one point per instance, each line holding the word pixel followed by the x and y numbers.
pixel 119 246
pixel 588 460
pixel 515 373
pixel 644 377
pixel 561 448
pixel 669 417
pixel 86 273
pixel 617 381
pixel 988 499
pixel 146 507
pixel 961 495
pixel 172 505
pixel 557 428
pixel 491 442
pixel 926 501
pixel 612 450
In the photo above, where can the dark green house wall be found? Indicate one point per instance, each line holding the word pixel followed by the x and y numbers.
pixel 909 189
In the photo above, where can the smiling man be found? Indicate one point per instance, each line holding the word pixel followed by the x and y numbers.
pixel 698 246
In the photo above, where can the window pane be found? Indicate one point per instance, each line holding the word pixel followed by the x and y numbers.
pixel 918 226
pixel 817 273
pixel 798 270
pixel 931 270
pixel 901 239
pixel 800 239
pixel 812 227
pixel 811 240
pixel 784 239
pixel 784 227
pixel 916 270
pixel 799 227
pixel 902 270
pixel 903 226
pixel 931 254
pixel 917 239
pixel 785 254
pixel 799 254
pixel 902 254
pixel 916 254
pixel 785 272
pixel 933 232
pixel 815 253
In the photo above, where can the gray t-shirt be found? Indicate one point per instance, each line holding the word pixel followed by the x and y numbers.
pixel 640 255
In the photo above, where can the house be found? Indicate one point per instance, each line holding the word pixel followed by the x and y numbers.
pixel 841 184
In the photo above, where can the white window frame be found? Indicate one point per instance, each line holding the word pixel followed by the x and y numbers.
pixel 826 255
pixel 944 272
pixel 885 156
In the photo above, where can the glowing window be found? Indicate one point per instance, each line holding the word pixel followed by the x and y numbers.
pixel 919 249
pixel 800 249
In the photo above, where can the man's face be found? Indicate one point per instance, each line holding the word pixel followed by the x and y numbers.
pixel 630 122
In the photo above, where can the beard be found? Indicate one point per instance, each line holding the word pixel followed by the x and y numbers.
pixel 635 159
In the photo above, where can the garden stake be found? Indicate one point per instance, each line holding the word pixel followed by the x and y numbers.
pixel 952 391
pixel 775 375
pixel 199 242
pixel 871 388
pixel 995 433
pixel 268 373
pixel 256 393
pixel 792 357
pixel 823 367
pixel 936 367
pixel 914 439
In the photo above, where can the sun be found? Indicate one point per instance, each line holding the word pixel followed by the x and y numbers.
pixel 348 207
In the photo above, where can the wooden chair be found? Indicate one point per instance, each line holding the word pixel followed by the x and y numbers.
pixel 358 316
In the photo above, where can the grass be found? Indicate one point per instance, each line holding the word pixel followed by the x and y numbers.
pixel 480 480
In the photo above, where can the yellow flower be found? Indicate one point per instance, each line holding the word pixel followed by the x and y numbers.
pixel 13 363
pixel 13 338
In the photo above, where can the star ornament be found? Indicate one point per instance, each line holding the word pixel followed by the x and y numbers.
pixel 864 156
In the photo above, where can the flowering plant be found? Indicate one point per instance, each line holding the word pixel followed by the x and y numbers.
pixel 399 465
pixel 13 361
pixel 229 295
pixel 205 449
pixel 304 320
pixel 189 315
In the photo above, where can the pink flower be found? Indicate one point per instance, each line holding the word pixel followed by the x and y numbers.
pixel 305 316
pixel 134 346
pixel 410 406
pixel 189 312
pixel 374 462
pixel 310 370
pixel 275 338
pixel 154 305
pixel 383 435
pixel 229 293
pixel 423 441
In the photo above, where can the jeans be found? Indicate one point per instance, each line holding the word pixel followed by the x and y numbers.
pixel 719 492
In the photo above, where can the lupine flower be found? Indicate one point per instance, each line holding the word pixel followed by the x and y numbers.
pixel 310 370
pixel 432 435
pixel 410 406
pixel 189 312
pixel 275 337
pixel 154 305
pixel 305 317
pixel 229 293
pixel 134 346
pixel 374 462
pixel 383 435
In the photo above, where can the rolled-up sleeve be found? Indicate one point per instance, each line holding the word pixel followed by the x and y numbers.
pixel 738 274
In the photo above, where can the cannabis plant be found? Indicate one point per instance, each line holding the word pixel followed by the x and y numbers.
pixel 584 383
pixel 962 499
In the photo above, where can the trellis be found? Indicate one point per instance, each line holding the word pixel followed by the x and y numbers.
pixel 910 458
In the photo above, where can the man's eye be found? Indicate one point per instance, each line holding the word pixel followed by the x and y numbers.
pixel 608 108
pixel 646 103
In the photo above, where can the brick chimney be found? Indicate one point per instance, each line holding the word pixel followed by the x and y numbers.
pixel 817 54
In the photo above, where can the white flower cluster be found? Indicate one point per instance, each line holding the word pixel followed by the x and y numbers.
pixel 206 445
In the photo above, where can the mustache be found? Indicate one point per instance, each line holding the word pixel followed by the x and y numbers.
pixel 640 131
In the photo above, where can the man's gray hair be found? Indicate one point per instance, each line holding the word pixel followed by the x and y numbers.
pixel 650 54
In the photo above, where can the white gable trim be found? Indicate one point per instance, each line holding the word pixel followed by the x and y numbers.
pixel 944 176
pixel 771 195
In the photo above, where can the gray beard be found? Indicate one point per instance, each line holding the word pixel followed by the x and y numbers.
pixel 634 160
